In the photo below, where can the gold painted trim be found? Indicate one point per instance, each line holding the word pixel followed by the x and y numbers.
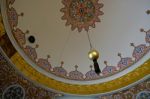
pixel 36 76
pixel 2 30
pixel 123 81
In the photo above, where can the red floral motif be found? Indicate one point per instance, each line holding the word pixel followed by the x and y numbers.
pixel 109 70
pixel 20 36
pixel 31 52
pixel 44 64
pixel 76 75
pixel 124 62
pixel 12 17
pixel 140 51
pixel 147 38
pixel 60 71
pixel 81 14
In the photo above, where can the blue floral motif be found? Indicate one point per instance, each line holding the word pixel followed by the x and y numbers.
pixel 31 52
pixel 109 70
pixel 60 71
pixel 14 92
pixel 91 75
pixel 44 64
pixel 143 95
pixel 147 38
pixel 140 51
pixel 124 62
pixel 76 75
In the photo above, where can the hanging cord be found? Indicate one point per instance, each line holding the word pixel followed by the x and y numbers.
pixel 94 56
pixel 91 47
pixel 63 48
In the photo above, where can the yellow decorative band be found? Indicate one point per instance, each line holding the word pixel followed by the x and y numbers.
pixel 123 81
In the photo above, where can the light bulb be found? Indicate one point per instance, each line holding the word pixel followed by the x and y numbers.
pixel 93 54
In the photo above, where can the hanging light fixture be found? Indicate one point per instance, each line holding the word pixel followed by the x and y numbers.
pixel 93 55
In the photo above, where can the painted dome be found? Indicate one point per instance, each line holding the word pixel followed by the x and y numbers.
pixel 52 40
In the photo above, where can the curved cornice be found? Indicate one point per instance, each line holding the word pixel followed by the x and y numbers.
pixel 118 83
pixel 109 86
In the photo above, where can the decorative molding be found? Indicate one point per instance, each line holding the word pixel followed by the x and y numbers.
pixel 109 86
pixel 138 91
pixel 138 52
pixel 12 83
pixel 14 91
pixel 36 76
pixel 10 78
pixel 81 14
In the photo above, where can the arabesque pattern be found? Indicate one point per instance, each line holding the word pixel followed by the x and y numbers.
pixel 92 6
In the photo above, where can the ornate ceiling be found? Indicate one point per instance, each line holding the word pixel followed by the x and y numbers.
pixel 56 56
pixel 81 14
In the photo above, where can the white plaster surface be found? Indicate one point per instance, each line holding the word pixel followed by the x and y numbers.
pixel 119 27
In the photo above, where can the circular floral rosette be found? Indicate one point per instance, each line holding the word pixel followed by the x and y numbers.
pixel 81 14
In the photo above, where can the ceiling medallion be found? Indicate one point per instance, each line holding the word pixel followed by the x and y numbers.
pixel 81 14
